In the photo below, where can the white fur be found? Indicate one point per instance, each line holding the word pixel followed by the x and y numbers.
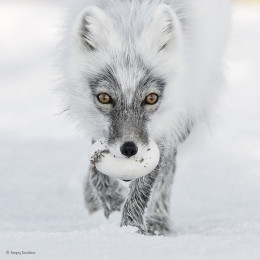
pixel 180 43
pixel 191 62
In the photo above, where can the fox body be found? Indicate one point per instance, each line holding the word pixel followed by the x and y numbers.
pixel 143 70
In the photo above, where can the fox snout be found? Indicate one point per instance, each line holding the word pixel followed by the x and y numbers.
pixel 129 149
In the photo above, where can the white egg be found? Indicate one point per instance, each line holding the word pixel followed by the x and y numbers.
pixel 123 168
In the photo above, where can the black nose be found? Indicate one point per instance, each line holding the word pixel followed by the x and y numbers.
pixel 129 149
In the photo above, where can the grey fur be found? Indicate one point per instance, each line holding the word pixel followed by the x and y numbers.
pixel 129 49
pixel 106 190
pixel 158 219
pixel 128 121
pixel 137 201
pixel 147 204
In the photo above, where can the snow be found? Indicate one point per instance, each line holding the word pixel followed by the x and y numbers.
pixel 43 163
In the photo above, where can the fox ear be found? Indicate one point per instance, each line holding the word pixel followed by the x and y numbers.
pixel 164 29
pixel 93 28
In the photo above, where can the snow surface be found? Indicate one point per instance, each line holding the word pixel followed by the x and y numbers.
pixel 43 162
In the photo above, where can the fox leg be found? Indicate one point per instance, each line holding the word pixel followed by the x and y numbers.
pixel 147 205
pixel 92 201
pixel 137 201
pixel 157 217
pixel 102 190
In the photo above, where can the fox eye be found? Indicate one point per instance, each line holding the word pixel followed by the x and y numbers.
pixel 104 98
pixel 151 99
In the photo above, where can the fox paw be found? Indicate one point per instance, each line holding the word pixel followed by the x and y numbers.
pixel 158 225
pixel 128 221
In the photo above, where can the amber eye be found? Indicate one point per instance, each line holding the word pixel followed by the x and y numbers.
pixel 151 99
pixel 104 98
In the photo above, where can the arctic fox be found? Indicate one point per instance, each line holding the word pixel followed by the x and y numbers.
pixel 143 70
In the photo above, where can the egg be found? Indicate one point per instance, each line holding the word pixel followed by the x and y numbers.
pixel 122 167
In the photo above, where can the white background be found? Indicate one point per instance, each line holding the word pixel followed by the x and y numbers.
pixel 43 159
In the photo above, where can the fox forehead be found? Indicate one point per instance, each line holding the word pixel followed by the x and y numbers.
pixel 126 78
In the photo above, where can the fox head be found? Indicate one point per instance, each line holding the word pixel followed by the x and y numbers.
pixel 125 68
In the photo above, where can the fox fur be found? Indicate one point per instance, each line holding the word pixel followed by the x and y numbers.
pixel 128 49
